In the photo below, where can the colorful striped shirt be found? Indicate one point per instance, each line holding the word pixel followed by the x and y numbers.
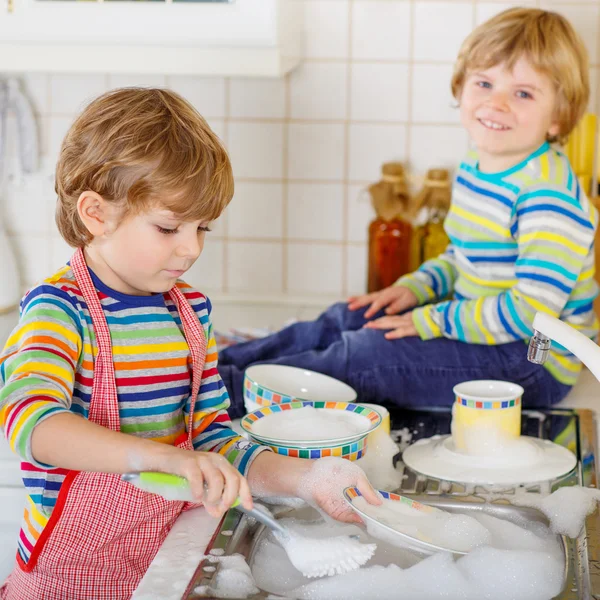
pixel 47 367
pixel 521 241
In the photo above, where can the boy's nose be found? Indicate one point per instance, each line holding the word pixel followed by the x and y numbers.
pixel 499 101
pixel 190 248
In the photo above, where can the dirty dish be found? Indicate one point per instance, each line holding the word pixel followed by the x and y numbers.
pixel 275 384
pixel 313 429
pixel 403 522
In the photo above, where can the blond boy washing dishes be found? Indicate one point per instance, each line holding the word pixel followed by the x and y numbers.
pixel 113 365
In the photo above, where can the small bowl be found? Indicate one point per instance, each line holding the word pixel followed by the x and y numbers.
pixel 275 384
pixel 351 447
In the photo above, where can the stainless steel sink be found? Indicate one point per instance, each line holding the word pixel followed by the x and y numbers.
pixel 575 429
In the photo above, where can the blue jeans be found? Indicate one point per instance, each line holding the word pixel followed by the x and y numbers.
pixel 406 372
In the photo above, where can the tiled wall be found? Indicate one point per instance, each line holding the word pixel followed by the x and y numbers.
pixel 373 88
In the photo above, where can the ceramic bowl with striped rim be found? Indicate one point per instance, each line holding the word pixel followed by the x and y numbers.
pixel 351 447
pixel 383 531
pixel 276 384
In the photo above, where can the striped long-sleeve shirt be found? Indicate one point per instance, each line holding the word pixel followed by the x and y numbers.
pixel 521 241
pixel 47 367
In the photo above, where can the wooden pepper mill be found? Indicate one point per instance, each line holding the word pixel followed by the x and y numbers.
pixel 390 232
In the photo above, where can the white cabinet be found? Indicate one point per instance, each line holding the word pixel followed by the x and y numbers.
pixel 242 37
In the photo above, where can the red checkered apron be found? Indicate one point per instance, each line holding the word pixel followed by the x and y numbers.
pixel 103 532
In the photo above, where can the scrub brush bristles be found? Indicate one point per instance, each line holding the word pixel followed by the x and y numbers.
pixel 326 556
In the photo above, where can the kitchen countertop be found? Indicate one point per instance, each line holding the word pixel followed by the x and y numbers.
pixel 181 552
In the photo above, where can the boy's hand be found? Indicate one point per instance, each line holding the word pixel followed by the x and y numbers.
pixel 223 482
pixel 401 326
pixel 394 299
pixel 323 484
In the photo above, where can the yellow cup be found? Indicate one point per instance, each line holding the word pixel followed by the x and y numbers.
pixel 385 417
pixel 486 414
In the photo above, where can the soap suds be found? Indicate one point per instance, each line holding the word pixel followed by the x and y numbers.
pixel 310 423
pixel 233 580
pixel 378 461
pixel 532 570
pixel 566 508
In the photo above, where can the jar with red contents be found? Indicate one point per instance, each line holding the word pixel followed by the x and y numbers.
pixel 390 232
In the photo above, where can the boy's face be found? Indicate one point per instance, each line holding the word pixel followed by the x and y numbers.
pixel 146 253
pixel 508 114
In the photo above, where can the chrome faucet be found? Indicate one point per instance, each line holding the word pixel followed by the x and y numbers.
pixel 547 328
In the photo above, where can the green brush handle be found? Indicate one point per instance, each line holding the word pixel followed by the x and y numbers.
pixel 153 479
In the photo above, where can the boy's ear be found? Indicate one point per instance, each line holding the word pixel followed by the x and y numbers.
pixel 554 130
pixel 93 211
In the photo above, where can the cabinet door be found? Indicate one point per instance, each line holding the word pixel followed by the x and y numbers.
pixel 216 37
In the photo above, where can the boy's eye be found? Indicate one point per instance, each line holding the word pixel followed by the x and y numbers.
pixel 166 231
pixel 484 84
pixel 524 95
pixel 170 231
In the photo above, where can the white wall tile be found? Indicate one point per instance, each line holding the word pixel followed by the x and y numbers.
pixel 219 127
pixel 356 269
pixel 432 100
pixel 326 29
pixel 206 94
pixel 318 91
pixel 29 203
pixel 380 30
pixel 136 80
pixel 257 98
pixel 372 145
pixel 315 267
pixel 60 253
pixel 256 149
pixel 32 254
pixel 256 211
pixel 379 92
pixel 440 28
pixel 71 93
pixel 37 88
pixel 436 147
pixel 360 213
pixel 206 274
pixel 316 151
pixel 57 129
pixel 315 211
pixel 255 267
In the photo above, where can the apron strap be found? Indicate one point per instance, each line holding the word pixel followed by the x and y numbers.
pixel 104 405
pixel 196 340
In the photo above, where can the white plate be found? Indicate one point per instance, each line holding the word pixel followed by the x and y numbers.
pixel 402 539
pixel 531 460
pixel 300 384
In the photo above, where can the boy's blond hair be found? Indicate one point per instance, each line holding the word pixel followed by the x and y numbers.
pixel 548 41
pixel 141 148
